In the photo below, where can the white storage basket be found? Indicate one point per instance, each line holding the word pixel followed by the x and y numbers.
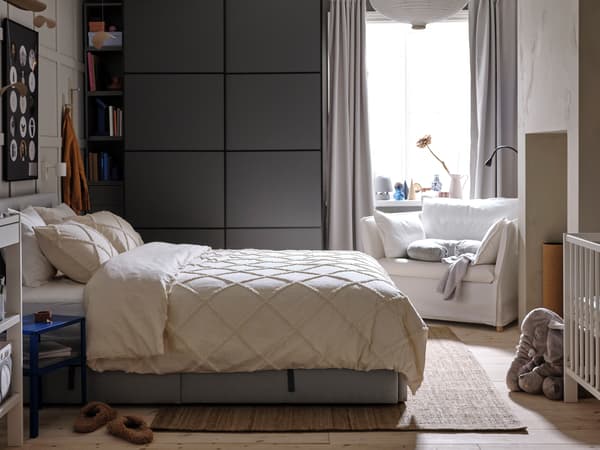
pixel 5 369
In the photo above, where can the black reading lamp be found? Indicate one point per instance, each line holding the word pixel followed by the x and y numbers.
pixel 488 163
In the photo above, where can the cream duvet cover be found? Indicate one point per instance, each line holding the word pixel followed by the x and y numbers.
pixel 164 308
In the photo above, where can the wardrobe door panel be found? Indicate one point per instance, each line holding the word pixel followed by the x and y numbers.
pixel 273 35
pixel 173 36
pixel 174 112
pixel 274 189
pixel 276 238
pixel 212 238
pixel 174 189
pixel 274 112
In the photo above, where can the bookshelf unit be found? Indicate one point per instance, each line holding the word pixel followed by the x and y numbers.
pixel 12 406
pixel 103 99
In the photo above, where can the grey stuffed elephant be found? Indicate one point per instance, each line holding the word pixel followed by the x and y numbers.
pixel 538 364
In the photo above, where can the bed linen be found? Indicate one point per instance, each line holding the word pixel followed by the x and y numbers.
pixel 165 308
pixel 60 295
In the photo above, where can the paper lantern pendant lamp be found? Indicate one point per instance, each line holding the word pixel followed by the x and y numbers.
pixel 418 12
pixel 28 5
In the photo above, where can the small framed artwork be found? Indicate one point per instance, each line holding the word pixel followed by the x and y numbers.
pixel 20 112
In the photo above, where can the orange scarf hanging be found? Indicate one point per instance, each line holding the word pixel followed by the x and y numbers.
pixel 74 185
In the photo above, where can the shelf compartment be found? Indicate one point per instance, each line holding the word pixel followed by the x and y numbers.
pixel 104 93
pixel 9 322
pixel 104 138
pixel 47 365
pixel 105 183
pixel 9 404
pixel 104 49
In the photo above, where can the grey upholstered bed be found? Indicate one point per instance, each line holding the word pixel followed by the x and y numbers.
pixel 285 386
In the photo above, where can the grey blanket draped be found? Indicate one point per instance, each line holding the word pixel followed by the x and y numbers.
pixel 450 284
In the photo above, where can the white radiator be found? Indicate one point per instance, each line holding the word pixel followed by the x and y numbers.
pixel 582 314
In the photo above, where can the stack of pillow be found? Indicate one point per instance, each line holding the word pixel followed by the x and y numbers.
pixel 57 239
pixel 403 236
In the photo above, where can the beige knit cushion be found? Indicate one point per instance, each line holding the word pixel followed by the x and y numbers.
pixel 114 228
pixel 75 249
pixel 54 215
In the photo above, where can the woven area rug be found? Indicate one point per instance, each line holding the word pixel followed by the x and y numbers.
pixel 457 395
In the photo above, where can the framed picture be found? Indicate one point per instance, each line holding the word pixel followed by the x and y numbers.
pixel 20 53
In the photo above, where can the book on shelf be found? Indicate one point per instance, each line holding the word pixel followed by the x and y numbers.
pixel 96 25
pixel 111 126
pixel 91 60
pixel 109 119
pixel 101 113
pixel 50 349
pixel 103 167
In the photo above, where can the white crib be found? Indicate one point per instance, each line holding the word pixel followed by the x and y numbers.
pixel 582 314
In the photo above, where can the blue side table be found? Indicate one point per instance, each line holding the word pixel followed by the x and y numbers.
pixel 36 370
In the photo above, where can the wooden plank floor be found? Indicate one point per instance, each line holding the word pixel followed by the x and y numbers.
pixel 551 425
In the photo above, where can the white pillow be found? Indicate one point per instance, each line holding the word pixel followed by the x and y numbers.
pixel 75 249
pixel 37 270
pixel 114 228
pixel 488 251
pixel 398 231
pixel 54 215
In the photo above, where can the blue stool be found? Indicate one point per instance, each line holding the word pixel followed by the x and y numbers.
pixel 35 370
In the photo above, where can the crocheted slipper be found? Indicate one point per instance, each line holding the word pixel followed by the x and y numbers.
pixel 93 416
pixel 131 428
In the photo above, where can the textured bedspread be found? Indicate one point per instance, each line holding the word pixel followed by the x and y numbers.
pixel 164 308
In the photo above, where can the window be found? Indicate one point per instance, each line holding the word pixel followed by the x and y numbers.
pixel 418 84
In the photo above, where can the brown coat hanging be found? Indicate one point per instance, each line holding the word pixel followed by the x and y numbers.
pixel 74 185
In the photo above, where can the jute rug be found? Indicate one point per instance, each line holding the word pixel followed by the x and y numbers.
pixel 457 395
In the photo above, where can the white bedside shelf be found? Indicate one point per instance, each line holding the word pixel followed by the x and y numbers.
pixel 9 322
pixel 9 404
pixel 12 407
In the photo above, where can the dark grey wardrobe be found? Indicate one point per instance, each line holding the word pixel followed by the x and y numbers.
pixel 224 108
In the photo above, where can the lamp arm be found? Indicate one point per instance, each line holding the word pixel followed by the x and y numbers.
pixel 496 150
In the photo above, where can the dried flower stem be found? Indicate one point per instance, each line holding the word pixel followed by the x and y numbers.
pixel 436 157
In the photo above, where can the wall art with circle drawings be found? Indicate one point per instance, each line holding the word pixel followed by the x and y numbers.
pixel 20 53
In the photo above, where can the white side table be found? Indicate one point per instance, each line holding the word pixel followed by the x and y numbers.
pixel 10 241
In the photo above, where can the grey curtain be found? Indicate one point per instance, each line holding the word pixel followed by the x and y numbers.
pixel 348 186
pixel 493 42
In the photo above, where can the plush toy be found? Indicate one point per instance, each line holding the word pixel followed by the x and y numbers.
pixel 538 364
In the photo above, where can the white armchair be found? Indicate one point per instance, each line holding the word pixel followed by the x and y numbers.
pixel 489 293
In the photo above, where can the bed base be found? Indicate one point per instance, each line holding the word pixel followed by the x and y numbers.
pixel 328 386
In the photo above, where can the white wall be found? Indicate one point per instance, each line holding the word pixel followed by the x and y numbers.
pixel 548 80
pixel 60 68
pixel 548 96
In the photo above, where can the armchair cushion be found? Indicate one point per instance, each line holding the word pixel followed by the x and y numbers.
pixel 409 268
pixel 434 250
pixel 398 231
pixel 488 251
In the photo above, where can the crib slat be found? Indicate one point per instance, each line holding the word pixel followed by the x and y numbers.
pixel 580 318
pixel 588 331
pixel 597 320
pixel 572 295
